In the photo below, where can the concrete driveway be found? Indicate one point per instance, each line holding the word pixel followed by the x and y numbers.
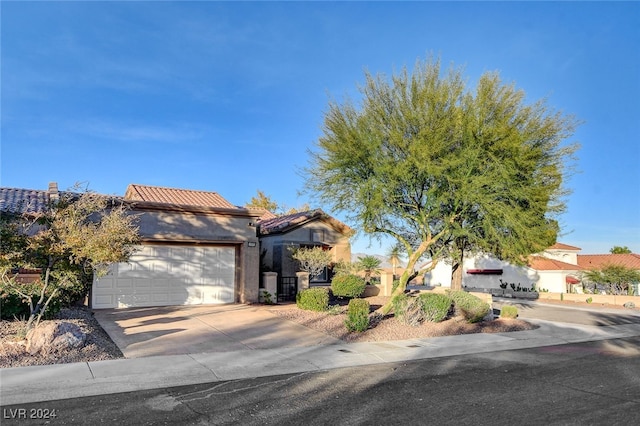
pixel 173 330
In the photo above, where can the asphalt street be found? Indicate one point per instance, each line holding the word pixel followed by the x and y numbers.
pixel 573 315
pixel 576 384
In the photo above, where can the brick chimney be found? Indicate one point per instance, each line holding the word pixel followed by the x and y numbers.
pixel 54 194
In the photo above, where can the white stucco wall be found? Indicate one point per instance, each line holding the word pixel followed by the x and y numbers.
pixel 553 281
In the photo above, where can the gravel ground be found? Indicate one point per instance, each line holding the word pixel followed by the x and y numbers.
pixel 390 328
pixel 100 347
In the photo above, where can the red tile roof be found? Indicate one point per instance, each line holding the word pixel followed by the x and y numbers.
pixel 185 197
pixel 284 223
pixel 540 263
pixel 598 261
pixel 561 246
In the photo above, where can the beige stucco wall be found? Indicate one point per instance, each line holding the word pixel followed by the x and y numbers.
pixel 210 227
pixel 276 246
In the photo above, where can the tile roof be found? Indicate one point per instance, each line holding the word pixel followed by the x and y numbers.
pixel 598 261
pixel 284 223
pixel 18 200
pixel 185 197
pixel 540 263
pixel 561 246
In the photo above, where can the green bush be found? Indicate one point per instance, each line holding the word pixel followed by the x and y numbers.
pixel 414 311
pixel 436 307
pixel 408 309
pixel 469 306
pixel 12 306
pixel 347 286
pixel 357 315
pixel 313 299
pixel 509 312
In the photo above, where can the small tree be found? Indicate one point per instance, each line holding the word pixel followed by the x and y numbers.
pixel 263 201
pixel 615 279
pixel 80 232
pixel 370 265
pixel 620 250
pixel 312 259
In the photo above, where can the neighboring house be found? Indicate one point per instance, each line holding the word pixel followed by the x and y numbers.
pixel 196 248
pixel 556 270
pixel 278 235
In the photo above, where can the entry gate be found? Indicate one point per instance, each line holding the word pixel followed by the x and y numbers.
pixel 287 289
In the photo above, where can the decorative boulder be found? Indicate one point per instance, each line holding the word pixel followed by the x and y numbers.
pixel 53 337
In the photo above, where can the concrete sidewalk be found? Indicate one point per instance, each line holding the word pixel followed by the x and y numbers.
pixel 62 381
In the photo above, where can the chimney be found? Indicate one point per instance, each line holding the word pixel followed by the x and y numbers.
pixel 54 195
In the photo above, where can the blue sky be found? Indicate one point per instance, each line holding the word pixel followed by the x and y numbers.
pixel 228 96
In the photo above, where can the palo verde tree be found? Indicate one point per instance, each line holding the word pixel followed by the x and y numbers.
pixel 440 168
pixel 78 233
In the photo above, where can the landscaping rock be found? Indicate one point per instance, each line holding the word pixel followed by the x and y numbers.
pixel 629 305
pixel 55 337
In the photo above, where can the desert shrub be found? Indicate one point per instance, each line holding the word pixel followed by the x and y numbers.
pixel 347 286
pixel 470 307
pixel 357 315
pixel 313 299
pixel 408 309
pixel 508 312
pixel 436 307
pixel 12 306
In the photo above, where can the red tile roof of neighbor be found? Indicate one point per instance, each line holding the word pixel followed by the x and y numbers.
pixel 598 261
pixel 561 246
pixel 540 263
pixel 186 197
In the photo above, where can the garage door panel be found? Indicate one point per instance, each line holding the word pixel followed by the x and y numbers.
pixel 166 275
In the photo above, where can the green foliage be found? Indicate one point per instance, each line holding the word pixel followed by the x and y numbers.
pixel 267 297
pixel 312 259
pixel 262 201
pixel 347 286
pixel 343 267
pixel 313 299
pixel 469 306
pixel 78 235
pixel 12 306
pixel 412 310
pixel 589 299
pixel 616 279
pixel 436 307
pixel 509 312
pixel 620 250
pixel 442 169
pixel 357 315
pixel 370 265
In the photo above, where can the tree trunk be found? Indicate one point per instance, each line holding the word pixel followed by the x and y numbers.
pixel 456 271
pixel 456 276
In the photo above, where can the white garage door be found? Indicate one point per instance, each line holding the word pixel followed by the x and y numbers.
pixel 164 275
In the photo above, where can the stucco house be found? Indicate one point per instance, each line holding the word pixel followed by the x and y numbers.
pixel 556 270
pixel 314 228
pixel 198 248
